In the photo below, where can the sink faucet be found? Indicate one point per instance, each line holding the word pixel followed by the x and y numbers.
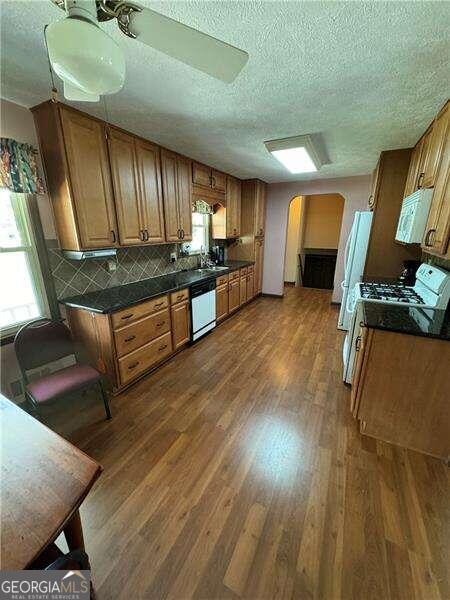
pixel 205 260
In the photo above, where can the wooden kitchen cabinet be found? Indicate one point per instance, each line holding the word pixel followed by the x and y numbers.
pixel 372 202
pixel 75 158
pixel 234 295
pixel 150 191
pixel 242 289
pixel 259 264
pixel 250 284
pixel 181 328
pixel 399 392
pixel 122 157
pixel 438 136
pixel 416 171
pixel 437 231
pixel 233 207
pixel 176 182
pixel 208 178
pixel 260 213
pixel 221 301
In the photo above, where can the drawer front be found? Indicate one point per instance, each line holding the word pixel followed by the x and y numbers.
pixel 222 280
pixel 251 269
pixel 233 275
pixel 142 359
pixel 128 315
pixel 180 296
pixel 243 271
pixel 142 332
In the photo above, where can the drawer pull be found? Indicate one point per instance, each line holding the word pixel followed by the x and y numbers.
pixel 133 365
pixel 358 344
pixel 180 297
pixel 160 324
pixel 127 316
pixel 162 348
pixel 131 338
pixel 159 304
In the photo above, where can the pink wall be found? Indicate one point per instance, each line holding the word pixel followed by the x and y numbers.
pixel 355 191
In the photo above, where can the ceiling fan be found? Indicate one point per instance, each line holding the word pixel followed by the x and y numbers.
pixel 91 63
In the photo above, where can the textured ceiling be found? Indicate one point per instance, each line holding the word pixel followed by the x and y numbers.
pixel 367 76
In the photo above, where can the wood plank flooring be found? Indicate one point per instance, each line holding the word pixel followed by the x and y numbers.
pixel 236 471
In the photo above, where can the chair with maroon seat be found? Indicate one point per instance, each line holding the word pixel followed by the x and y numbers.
pixel 41 342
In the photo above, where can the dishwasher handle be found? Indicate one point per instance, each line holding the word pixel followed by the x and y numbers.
pixel 203 287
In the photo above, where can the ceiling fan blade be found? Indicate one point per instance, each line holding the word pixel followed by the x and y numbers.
pixel 192 47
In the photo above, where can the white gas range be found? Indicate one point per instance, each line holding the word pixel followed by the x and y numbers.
pixel 431 290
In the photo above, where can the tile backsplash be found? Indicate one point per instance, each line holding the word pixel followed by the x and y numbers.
pixel 72 277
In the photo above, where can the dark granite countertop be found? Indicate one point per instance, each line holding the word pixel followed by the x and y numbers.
pixel 427 322
pixel 121 296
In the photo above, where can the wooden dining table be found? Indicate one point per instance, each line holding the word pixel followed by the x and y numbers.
pixel 44 480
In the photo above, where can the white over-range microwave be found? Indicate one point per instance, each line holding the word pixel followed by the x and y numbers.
pixel 413 217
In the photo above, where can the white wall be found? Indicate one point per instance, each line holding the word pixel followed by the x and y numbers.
pixel 355 191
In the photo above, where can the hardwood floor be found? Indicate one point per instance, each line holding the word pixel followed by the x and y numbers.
pixel 236 471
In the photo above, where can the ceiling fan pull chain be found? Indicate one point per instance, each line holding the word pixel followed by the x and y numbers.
pixel 124 11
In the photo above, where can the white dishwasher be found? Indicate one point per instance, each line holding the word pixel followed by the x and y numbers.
pixel 203 308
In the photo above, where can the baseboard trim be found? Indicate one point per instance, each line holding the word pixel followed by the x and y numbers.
pixel 273 295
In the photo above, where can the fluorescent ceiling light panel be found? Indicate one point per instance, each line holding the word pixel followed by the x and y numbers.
pixel 297 154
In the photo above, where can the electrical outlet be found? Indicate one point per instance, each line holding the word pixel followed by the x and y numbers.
pixel 173 257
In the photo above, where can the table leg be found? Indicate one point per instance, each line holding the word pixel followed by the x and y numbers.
pixel 73 532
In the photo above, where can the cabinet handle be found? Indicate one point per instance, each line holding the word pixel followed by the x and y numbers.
pixel 113 235
pixel 160 324
pixel 180 297
pixel 428 236
pixel 371 200
pixel 127 316
pixel 146 234
pixel 141 235
pixel 182 233
pixel 159 304
pixel 133 365
pixel 131 338
pixel 358 343
pixel 420 179
pixel 179 234
pixel 162 348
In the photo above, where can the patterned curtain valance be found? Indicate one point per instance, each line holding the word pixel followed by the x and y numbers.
pixel 201 207
pixel 18 168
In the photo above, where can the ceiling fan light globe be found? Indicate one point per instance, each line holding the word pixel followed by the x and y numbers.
pixel 85 57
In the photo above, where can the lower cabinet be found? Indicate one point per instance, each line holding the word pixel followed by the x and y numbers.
pixel 250 284
pixel 221 301
pixel 234 294
pixel 181 328
pixel 140 360
pixel 243 286
pixel 403 402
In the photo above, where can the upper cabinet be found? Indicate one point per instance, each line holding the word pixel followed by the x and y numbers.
pixel 372 202
pixel 176 178
pixel 75 157
pixel 437 232
pixel 209 179
pixel 253 212
pixel 233 208
pixel 436 146
pixel 260 220
pixel 135 170
pixel 416 171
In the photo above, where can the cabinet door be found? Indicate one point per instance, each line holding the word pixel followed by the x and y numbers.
pixel 250 286
pixel 180 324
pixel 362 349
pixel 150 191
pixel 218 181
pixel 260 216
pixel 233 295
pixel 169 185
pixel 259 257
pixel 243 290
pixel 201 175
pixel 90 179
pixel 436 146
pixel 221 302
pixel 122 157
pixel 436 239
pixel 374 187
pixel 184 196
pixel 233 208
pixel 412 179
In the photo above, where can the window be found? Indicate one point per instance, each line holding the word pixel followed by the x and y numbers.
pixel 200 233
pixel 22 298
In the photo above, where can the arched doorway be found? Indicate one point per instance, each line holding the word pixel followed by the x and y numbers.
pixel 312 240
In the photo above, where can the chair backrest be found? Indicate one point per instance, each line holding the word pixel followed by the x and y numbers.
pixel 41 342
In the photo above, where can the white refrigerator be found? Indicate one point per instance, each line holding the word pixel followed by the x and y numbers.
pixel 354 260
